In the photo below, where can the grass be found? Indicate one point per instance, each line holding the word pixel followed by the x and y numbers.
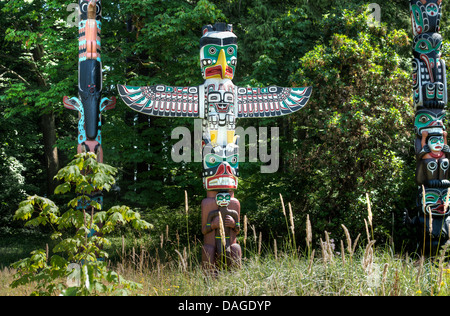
pixel 166 267
pixel 369 270
pixel 375 272
pixel 16 247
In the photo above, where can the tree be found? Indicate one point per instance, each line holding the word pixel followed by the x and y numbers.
pixel 358 134
pixel 84 175
pixel 36 62
pixel 360 102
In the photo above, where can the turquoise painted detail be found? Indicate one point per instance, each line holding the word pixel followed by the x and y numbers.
pixel 81 131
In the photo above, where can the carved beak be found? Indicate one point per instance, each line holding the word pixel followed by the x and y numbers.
pixel 431 64
pixel 92 10
pixel 222 60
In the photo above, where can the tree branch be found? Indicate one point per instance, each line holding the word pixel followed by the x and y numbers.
pixel 7 71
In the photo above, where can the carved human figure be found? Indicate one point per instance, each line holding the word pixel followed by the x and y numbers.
pixel 432 161
pixel 212 245
pixel 92 33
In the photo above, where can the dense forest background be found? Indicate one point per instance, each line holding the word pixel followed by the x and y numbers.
pixel 355 136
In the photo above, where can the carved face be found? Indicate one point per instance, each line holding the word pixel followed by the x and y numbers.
pixel 218 52
pixel 220 101
pixel 218 61
pixel 427 48
pixel 434 201
pixel 436 143
pixel 425 15
pixel 430 120
pixel 223 199
pixel 84 5
pixel 220 168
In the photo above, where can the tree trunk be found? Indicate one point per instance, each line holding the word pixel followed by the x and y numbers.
pixel 50 151
pixel 48 128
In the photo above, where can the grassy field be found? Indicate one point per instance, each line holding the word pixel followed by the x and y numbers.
pixel 359 270
pixel 165 267
pixel 368 271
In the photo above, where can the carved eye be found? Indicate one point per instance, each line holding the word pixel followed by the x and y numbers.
pixel 233 161
pixel 212 159
pixel 423 119
pixel 228 97
pixel 214 97
pixel 230 50
pixel 212 50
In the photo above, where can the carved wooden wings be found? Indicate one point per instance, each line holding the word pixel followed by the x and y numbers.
pixel 160 100
pixel 270 101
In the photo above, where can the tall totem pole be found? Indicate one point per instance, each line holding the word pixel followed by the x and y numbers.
pixel 218 102
pixel 431 148
pixel 90 103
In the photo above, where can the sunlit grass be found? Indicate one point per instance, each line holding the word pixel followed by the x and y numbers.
pixel 288 275
pixel 375 273
pixel 349 267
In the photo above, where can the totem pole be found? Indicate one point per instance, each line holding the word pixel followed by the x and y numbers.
pixel 430 100
pixel 90 103
pixel 218 102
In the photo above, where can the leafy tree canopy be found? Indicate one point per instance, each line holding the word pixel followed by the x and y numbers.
pixel 354 136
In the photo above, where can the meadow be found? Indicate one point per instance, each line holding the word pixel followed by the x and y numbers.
pixel 349 267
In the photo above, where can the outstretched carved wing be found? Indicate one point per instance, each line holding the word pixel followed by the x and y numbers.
pixel 270 101
pixel 162 100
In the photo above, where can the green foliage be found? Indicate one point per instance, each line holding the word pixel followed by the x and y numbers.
pixel 85 175
pixel 354 136
pixel 358 123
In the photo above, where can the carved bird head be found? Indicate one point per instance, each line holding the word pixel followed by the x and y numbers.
pixel 218 51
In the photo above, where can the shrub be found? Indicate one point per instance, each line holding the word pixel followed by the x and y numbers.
pixel 85 247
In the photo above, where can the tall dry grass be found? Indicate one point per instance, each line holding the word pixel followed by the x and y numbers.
pixel 347 267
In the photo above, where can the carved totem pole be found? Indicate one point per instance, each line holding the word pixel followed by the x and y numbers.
pixel 90 103
pixel 218 102
pixel 430 100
